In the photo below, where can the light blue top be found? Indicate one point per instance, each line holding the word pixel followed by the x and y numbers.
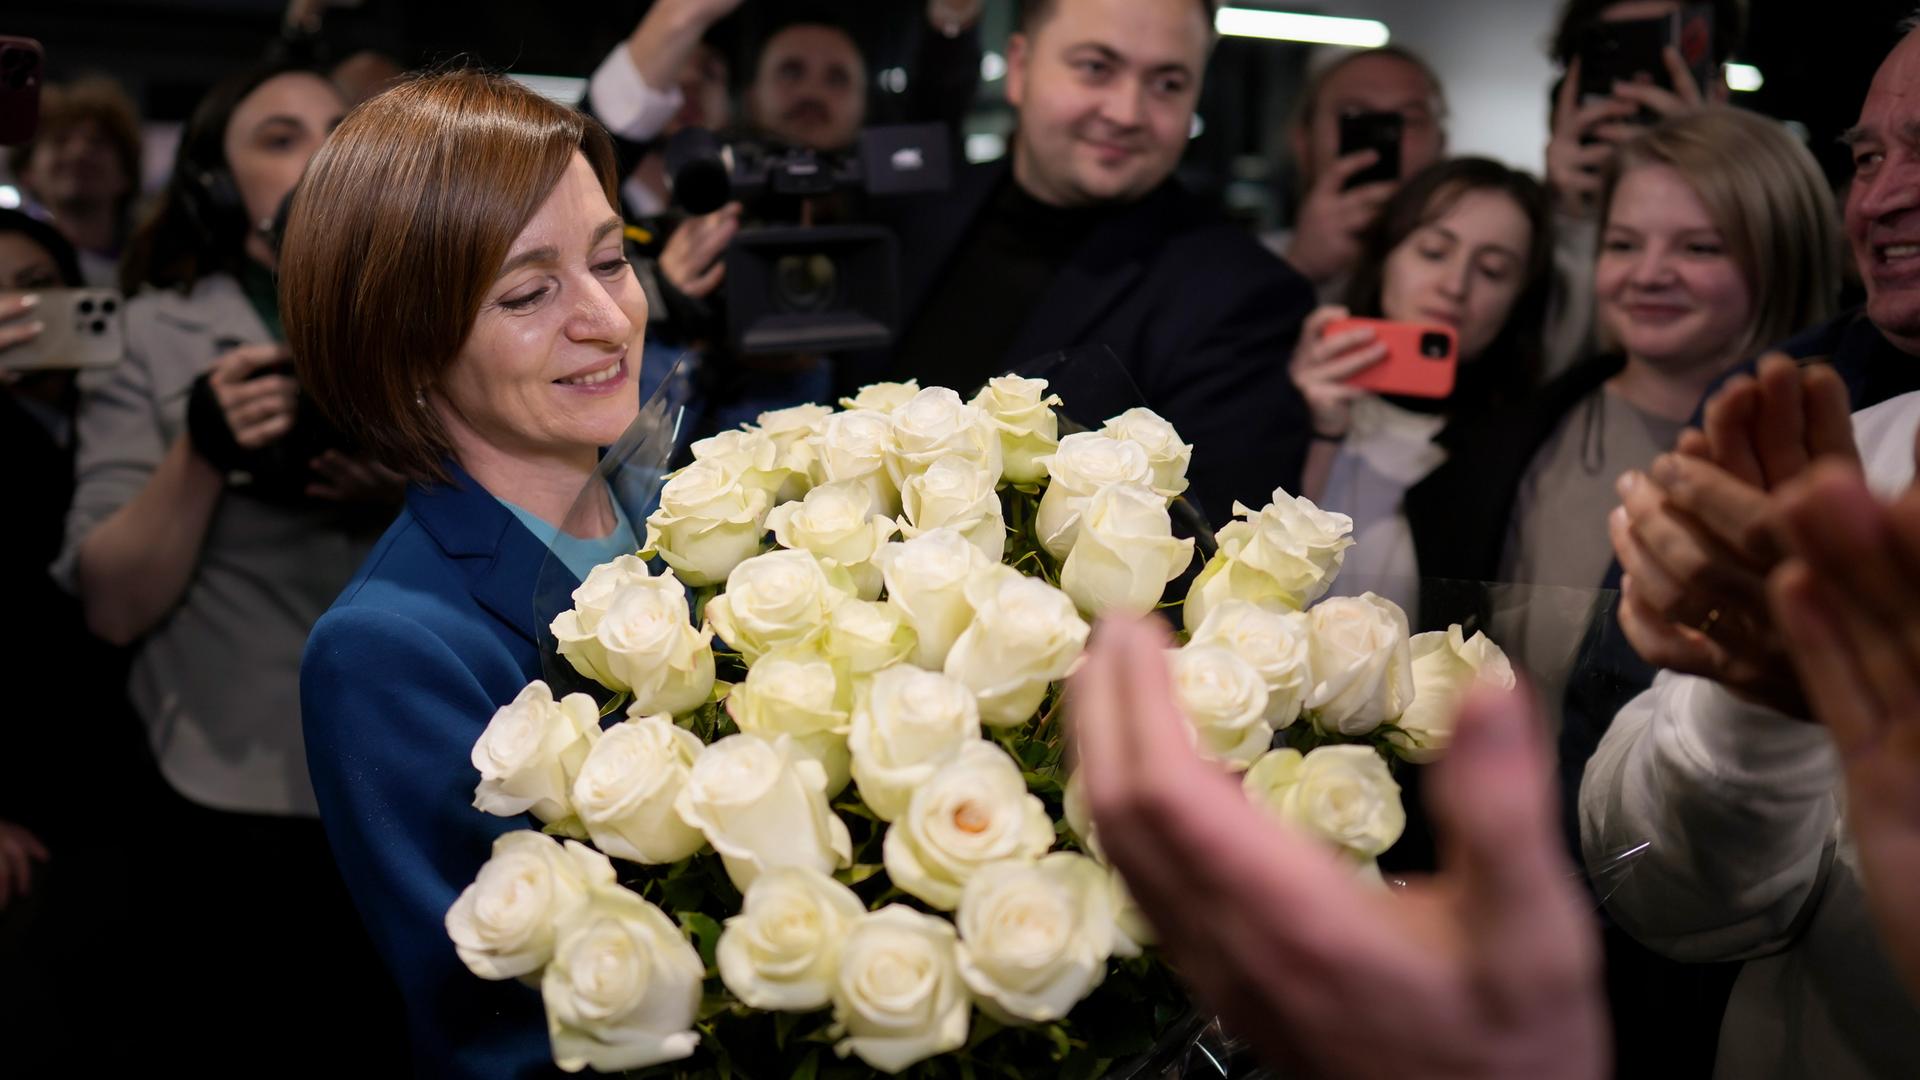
pixel 580 554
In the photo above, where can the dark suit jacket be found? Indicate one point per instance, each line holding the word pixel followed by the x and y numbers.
pixel 1200 316
pixel 400 677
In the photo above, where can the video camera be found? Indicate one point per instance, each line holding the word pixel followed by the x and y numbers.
pixel 800 287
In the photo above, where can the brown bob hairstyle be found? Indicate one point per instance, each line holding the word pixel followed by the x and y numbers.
pixel 396 233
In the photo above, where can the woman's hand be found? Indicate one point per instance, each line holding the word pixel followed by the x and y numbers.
pixel 259 407
pixel 1585 138
pixel 1321 366
pixel 344 478
pixel 693 260
pixel 19 850
pixel 17 327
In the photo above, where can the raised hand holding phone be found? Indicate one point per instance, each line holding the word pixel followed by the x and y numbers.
pixel 1323 363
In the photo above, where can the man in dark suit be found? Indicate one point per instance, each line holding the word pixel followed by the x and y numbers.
pixel 1083 239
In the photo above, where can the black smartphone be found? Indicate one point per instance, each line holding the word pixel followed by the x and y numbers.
pixel 21 64
pixel 1376 131
pixel 1618 52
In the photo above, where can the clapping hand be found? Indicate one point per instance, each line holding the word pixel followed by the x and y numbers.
pixel 1491 969
pixel 1696 534
pixel 1847 601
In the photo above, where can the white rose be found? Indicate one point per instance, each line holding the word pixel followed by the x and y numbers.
pixel 751 455
pixel 956 493
pixel 1445 667
pixel 906 724
pixel 926 579
pixel 1131 933
pixel 1022 411
pixel 1125 554
pixel 838 523
pixel 937 424
pixel 852 447
pixel 1278 645
pixel 882 397
pixel 573 630
pixel 531 751
pixel 710 520
pixel 797 693
pixel 973 811
pixel 762 805
pixel 782 599
pixel 868 637
pixel 1226 700
pixel 646 644
pixel 898 997
pixel 626 790
pixel 1025 635
pixel 1168 455
pixel 1035 937
pixel 1362 669
pixel 1286 555
pixel 790 429
pixel 623 989
pixel 1085 462
pixel 1342 794
pixel 783 949
pixel 504 925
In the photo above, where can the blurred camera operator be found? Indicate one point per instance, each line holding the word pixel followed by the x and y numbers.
pixel 1083 238
pixel 1325 242
pixel 82 169
pixel 212 523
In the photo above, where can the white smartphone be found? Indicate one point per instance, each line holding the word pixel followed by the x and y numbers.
pixel 84 329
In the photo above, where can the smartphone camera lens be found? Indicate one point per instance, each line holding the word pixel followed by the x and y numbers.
pixel 86 307
pixel 99 326
pixel 107 306
pixel 1434 346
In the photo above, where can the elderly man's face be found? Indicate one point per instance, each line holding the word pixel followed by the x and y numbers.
pixel 810 88
pixel 1883 205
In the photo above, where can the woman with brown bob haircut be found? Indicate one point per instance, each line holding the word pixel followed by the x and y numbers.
pixel 457 300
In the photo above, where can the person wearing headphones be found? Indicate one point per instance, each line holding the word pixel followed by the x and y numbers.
pixel 212 523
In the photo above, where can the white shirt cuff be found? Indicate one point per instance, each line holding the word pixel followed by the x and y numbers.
pixel 625 103
pixel 1750 746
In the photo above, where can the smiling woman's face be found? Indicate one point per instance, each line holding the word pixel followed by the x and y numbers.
pixel 550 369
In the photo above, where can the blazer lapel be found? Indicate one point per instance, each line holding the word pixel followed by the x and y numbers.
pixel 508 567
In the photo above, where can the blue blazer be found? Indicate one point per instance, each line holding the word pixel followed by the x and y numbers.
pixel 400 677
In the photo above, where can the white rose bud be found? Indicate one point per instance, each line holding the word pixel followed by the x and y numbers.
pixel 958 494
pixel 797 693
pixel 626 790
pixel 1085 462
pixel 623 989
pixel 926 579
pixel 782 599
pixel 751 455
pixel 1343 794
pixel 1226 700
pixel 868 637
pixel 505 924
pixel 974 810
pixel 907 723
pixel 852 447
pixel 710 520
pixel 1035 937
pixel 837 522
pixel 1362 668
pixel 1445 667
pixel 648 645
pixel 781 952
pixel 1025 635
pixel 531 751
pixel 937 424
pixel 883 397
pixel 898 997
pixel 1168 455
pixel 1022 411
pixel 1278 645
pixel 573 630
pixel 763 805
pixel 1285 555
pixel 1125 554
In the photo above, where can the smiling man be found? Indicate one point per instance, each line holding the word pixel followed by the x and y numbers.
pixel 1084 239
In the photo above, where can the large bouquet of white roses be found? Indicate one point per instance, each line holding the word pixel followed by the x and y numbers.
pixel 835 818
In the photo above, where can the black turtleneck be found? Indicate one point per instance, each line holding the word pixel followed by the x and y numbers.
pixel 997 275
